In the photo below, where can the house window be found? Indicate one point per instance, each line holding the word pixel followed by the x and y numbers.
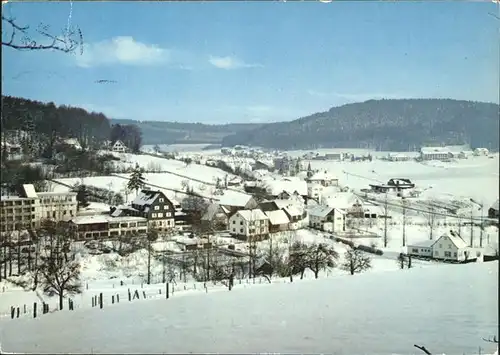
pixel 447 254
pixel 440 245
pixel 153 215
pixel 449 246
pixel 162 199
pixel 241 223
pixel 234 222
pixel 455 254
pixel 165 207
pixel 414 250
pixel 168 214
pixel 234 229
pixel 241 230
pixel 157 208
pixel 436 253
pixel 160 215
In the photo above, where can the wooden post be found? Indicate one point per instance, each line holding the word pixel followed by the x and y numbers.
pixel 112 299
pixel 117 298
pixel 100 300
pixel 129 295
pixel 144 294
pixel 24 310
pixel 167 293
pixel 18 311
pixel 93 305
pixel 34 309
pixel 12 312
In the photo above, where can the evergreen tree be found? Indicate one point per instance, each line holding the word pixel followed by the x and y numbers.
pixel 82 196
pixel 309 170
pixel 136 180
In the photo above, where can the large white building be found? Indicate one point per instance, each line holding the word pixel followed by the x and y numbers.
pixel 449 246
pixel 249 223
pixel 29 208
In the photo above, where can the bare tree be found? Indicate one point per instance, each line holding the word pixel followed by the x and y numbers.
pixel 321 256
pixel 355 261
pixel 60 277
pixel 18 37
pixel 298 259
pixel 431 220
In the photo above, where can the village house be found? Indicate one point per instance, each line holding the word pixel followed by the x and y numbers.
pixel 118 147
pixel 327 218
pixel 215 217
pixel 323 178
pixel 493 210
pixel 12 151
pixel 156 207
pixel 435 153
pixel 234 201
pixel 450 246
pixel 72 142
pixel 481 152
pixel 397 157
pixel 251 224
pixel 399 186
pixel 334 156
pixel 278 221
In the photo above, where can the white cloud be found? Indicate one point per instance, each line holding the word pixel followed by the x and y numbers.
pixel 122 50
pixel 230 63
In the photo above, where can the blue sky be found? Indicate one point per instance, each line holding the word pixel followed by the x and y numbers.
pixel 255 61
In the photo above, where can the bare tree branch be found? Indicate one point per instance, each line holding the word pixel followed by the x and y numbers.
pixel 423 349
pixel 20 38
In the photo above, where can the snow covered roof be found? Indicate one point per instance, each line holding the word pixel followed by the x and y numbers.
pixel 423 244
pixel 277 217
pixel 106 219
pixel 145 197
pixel 321 211
pixel 252 215
pixel 455 239
pixel 434 150
pixel 29 191
pixel 233 198
pixel 212 210
pixel 290 185
pixel 293 211
pixel 341 200
pixel 322 175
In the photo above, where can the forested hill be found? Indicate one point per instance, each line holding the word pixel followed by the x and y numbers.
pixel 159 132
pixel 383 124
pixel 49 120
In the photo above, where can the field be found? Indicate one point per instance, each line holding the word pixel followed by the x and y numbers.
pixel 380 313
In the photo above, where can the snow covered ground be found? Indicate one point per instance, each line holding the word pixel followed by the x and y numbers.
pixel 448 309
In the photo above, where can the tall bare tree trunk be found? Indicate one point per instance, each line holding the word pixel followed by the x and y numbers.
pixel 386 239
pixel 404 222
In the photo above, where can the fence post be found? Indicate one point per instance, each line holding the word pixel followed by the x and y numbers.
pixel 100 300
pixel 18 311
pixel 117 298
pixel 144 294
pixel 12 312
pixel 167 291
pixel 24 310
pixel 93 305
pixel 34 309
pixel 129 295
pixel 112 299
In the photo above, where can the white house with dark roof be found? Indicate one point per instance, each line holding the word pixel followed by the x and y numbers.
pixel 249 223
pixel 324 178
pixel 118 147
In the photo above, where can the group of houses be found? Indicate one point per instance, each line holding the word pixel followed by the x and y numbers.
pixel 451 152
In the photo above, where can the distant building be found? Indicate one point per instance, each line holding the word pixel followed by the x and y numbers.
pixel 118 147
pixel 449 246
pixel 29 208
pixel 435 153
pixel 493 210
pixel 481 151
pixel 105 226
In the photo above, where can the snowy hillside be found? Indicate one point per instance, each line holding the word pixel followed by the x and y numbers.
pixel 447 309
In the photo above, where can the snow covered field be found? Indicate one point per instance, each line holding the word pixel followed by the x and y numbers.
pixel 447 308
